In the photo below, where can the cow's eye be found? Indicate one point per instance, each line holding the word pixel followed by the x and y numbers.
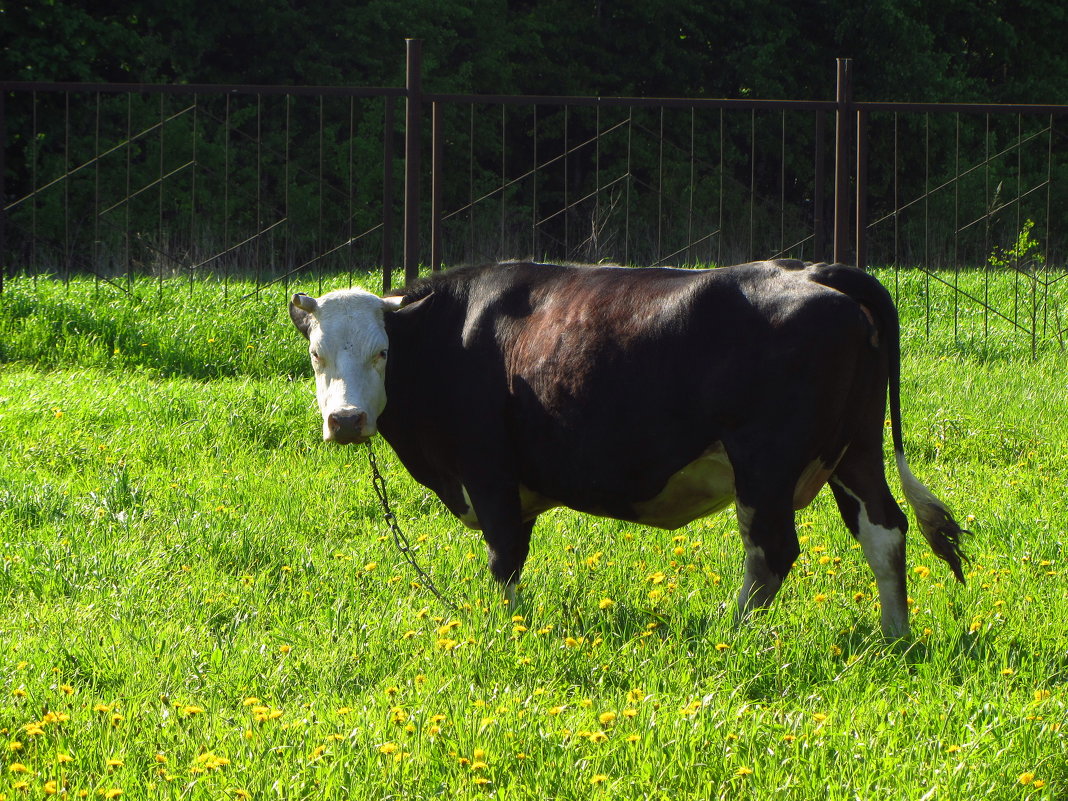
pixel 382 354
pixel 315 357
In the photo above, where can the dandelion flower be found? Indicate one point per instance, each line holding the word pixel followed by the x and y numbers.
pixel 606 718
pixel 722 646
pixel 605 603
pixel 1027 777
pixel 599 778
pixel 18 767
pixel 285 649
pixel 114 792
pixel 743 771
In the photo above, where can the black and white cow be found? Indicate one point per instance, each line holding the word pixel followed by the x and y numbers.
pixel 651 395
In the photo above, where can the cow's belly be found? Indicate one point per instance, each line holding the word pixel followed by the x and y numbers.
pixel 704 486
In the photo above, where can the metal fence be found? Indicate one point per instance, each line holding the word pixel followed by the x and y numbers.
pixel 122 181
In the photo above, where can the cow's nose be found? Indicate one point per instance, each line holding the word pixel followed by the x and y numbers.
pixel 347 426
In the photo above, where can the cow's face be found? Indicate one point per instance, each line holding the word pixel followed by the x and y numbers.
pixel 348 346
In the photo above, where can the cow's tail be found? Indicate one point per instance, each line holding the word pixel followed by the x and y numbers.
pixel 939 528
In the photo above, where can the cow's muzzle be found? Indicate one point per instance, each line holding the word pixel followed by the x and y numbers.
pixel 348 426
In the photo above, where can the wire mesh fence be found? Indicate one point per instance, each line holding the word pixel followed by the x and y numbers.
pixel 277 184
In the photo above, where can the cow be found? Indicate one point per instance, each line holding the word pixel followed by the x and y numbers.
pixel 651 395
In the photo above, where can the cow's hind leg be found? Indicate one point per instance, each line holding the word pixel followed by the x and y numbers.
pixel 874 518
pixel 771 547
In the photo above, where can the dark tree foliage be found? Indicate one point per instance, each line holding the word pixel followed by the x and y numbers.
pixel 983 50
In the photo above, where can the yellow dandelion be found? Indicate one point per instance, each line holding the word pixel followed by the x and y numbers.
pixel 240 793
pixel 599 778
pixel 62 758
pixel 633 738
pixel 819 717
pixel 114 792
pixel 14 745
pixel 191 710
pixel 18 692
pixel 722 646
pixel 251 701
pixel 51 787
pixel 18 767
pixel 389 749
pixel 744 771
pixel 598 737
pixel 113 763
pixel 66 689
pixel 605 603
pixel 285 649
pixel 1027 777
pixel 819 598
pixel 952 749
pixel 480 780
pixel 606 718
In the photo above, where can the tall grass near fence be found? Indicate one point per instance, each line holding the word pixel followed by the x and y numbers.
pixel 198 598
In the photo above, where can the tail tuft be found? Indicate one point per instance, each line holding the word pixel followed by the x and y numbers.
pixel 941 531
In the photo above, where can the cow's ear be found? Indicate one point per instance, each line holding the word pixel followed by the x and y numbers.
pixel 301 308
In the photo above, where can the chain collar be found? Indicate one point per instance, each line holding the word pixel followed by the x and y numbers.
pixel 399 538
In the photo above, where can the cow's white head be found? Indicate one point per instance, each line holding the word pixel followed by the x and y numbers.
pixel 348 346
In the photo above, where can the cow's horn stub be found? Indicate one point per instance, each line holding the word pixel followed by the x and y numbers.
pixel 304 302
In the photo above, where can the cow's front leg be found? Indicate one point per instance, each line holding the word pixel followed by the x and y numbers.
pixel 506 534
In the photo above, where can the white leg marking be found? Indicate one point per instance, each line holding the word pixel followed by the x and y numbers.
pixel 884 549
pixel 759 585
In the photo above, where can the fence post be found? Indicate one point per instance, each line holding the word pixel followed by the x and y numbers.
pixel 387 196
pixel 412 140
pixel 437 166
pixel 818 222
pixel 843 127
pixel 861 260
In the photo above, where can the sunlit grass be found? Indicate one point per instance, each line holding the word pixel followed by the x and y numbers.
pixel 198 599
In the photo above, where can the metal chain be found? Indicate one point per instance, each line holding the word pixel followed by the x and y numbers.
pixel 399 538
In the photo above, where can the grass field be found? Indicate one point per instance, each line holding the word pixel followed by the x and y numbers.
pixel 199 599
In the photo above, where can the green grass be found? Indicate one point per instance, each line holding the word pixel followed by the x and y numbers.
pixel 199 599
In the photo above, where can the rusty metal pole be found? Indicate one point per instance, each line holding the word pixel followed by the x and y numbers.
pixel 437 165
pixel 387 197
pixel 862 191
pixel 843 129
pixel 818 223
pixel 413 136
